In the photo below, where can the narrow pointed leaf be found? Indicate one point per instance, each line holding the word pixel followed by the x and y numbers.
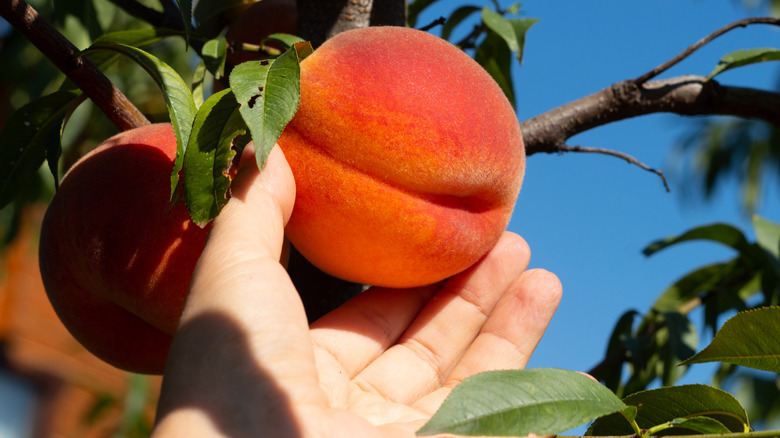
pixel 750 339
pixel 521 27
pixel 519 402
pixel 741 58
pixel 720 233
pixel 30 137
pixel 501 26
pixel 185 9
pixel 268 92
pixel 663 405
pixel 209 155
pixel 198 79
pixel 181 105
pixel 691 285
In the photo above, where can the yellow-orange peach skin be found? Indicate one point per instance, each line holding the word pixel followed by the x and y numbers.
pixel 407 158
pixel 115 266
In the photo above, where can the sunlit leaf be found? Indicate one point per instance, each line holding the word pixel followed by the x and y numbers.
pixel 181 105
pixel 494 56
pixel 750 339
pixel 31 136
pixel 662 405
pixel 501 26
pixel 213 54
pixel 207 161
pixel 268 92
pixel 741 58
pixel 519 402
pixel 767 235
pixel 521 27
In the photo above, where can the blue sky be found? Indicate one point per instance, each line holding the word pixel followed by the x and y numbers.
pixel 587 217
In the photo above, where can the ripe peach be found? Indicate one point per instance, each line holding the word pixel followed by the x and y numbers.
pixel 255 22
pixel 407 158
pixel 115 266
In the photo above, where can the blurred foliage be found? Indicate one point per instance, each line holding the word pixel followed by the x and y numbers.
pixel 647 349
pixel 81 22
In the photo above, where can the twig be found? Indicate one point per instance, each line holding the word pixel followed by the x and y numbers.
pixel 696 46
pixel 437 22
pixel 80 70
pixel 628 158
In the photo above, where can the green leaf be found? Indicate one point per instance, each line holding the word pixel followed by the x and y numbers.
pixel 521 27
pixel 501 26
pixel 268 92
pixel 209 155
pixel 181 105
pixel 662 405
pixel 748 339
pixel 767 235
pixel 457 16
pixel 185 10
pixel 494 56
pixel 414 9
pixel 741 58
pixel 198 79
pixel 213 54
pixel 31 136
pixel 519 402
pixel 721 233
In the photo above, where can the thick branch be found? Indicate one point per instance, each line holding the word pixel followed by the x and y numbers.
pixel 684 95
pixel 80 70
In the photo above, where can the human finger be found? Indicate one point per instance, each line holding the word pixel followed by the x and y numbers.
pixel 446 326
pixel 509 336
pixel 243 334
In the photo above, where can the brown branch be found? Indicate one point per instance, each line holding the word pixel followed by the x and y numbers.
pixel 624 156
pixel 684 95
pixel 696 46
pixel 66 57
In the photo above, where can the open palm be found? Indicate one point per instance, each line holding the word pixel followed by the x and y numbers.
pixel 245 362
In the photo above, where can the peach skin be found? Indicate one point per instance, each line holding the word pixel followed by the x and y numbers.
pixel 407 158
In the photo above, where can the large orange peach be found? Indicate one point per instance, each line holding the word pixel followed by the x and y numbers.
pixel 407 158
pixel 115 265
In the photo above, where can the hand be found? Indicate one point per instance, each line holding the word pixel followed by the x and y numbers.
pixel 245 362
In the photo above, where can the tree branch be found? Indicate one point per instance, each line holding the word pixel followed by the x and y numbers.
pixel 79 69
pixel 319 20
pixel 624 156
pixel 684 95
pixel 696 46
